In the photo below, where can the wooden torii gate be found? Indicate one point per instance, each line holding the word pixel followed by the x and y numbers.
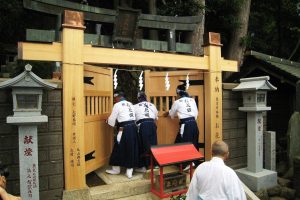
pixel 73 54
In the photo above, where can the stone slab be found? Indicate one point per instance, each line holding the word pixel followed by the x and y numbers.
pixel 120 190
pixel 83 194
pixel 256 181
pixel 270 150
pixel 27 120
pixel 119 178
pixel 146 196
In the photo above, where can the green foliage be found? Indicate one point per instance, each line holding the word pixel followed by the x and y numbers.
pixel 221 17
pixel 11 20
pixel 179 8
pixel 15 19
pixel 274 27
pixel 42 69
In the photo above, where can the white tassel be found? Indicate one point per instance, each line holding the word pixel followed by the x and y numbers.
pixel 141 81
pixel 115 79
pixel 187 82
pixel 167 82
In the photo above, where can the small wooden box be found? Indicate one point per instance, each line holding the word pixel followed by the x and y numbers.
pixel 172 182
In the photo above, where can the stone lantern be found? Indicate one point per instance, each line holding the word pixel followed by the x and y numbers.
pixel 27 91
pixel 254 103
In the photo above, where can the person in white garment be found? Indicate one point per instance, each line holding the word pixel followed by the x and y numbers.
pixel 125 151
pixel 146 114
pixel 186 109
pixel 213 180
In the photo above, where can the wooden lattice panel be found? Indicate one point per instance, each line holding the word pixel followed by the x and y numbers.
pixel 98 105
pixel 167 128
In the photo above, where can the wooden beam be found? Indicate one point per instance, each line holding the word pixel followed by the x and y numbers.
pixel 176 73
pixel 172 19
pixel 166 25
pixel 41 52
pixel 229 65
pixel 142 58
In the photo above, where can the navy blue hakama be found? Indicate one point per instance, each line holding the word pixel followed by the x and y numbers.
pixel 126 153
pixel 147 138
pixel 190 133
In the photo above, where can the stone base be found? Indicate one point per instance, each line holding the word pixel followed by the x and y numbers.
pixel 81 194
pixel 256 181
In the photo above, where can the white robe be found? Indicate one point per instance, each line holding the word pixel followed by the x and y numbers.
pixel 122 111
pixel 184 107
pixel 144 110
pixel 213 180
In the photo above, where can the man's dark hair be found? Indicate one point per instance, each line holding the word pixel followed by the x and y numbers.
pixel 181 91
pixel 4 170
pixel 119 94
pixel 141 96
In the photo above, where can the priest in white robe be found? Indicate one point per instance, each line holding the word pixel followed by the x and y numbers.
pixel 213 180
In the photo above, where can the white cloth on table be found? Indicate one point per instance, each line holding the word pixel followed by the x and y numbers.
pixel 213 180
pixel 122 111
pixel 144 110
pixel 184 107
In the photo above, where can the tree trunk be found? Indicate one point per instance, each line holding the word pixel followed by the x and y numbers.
pixel 153 34
pixel 197 38
pixel 236 48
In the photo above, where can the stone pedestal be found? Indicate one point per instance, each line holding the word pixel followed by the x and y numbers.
pixel 256 181
pixel 254 176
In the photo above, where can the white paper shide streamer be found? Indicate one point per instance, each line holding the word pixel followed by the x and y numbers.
pixel 187 81
pixel 141 81
pixel 167 82
pixel 115 79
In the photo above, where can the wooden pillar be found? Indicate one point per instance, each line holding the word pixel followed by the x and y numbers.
pixel 73 102
pixel 213 92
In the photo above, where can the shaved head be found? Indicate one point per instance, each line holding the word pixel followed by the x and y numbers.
pixel 220 149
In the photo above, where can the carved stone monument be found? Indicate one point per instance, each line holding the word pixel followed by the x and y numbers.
pixel 27 90
pixel 254 100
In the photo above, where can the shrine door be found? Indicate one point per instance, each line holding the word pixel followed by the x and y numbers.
pixel 167 128
pixel 98 91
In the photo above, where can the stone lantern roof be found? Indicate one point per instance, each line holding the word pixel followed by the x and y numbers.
pixel 255 83
pixel 27 79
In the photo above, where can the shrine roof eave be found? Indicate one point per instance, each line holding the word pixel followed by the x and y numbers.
pixel 175 153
